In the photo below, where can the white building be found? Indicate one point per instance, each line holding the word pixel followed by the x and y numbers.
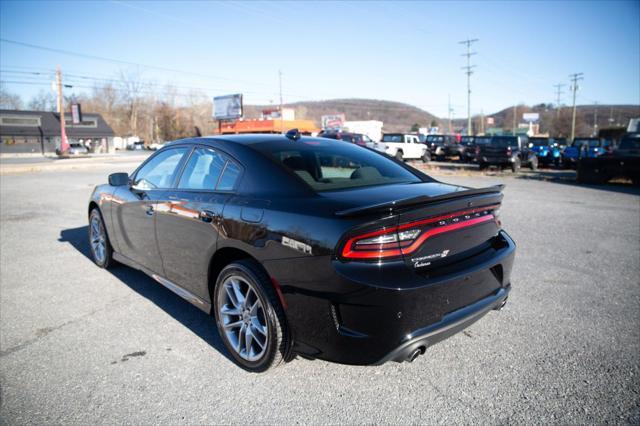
pixel 371 128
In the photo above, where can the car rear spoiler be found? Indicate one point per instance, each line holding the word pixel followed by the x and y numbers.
pixel 390 206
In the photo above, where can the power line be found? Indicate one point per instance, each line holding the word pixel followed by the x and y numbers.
pixel 468 70
pixel 123 62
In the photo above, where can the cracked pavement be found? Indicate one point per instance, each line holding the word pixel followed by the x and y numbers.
pixel 82 345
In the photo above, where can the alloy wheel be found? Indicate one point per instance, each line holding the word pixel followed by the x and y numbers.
pixel 98 239
pixel 242 317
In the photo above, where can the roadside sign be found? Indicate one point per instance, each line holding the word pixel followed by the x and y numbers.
pixel 76 114
pixel 228 107
pixel 333 122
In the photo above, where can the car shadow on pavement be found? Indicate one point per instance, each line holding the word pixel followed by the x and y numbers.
pixel 194 319
pixel 568 177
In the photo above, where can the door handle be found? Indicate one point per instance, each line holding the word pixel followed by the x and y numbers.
pixel 207 216
pixel 150 210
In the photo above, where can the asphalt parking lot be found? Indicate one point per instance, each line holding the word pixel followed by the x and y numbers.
pixel 82 345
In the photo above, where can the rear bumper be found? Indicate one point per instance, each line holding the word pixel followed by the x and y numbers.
pixel 452 323
pixel 363 314
pixel 495 160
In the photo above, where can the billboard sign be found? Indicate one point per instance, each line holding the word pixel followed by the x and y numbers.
pixel 531 117
pixel 333 122
pixel 76 114
pixel 227 107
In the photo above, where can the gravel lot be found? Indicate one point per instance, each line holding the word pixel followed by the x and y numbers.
pixel 83 345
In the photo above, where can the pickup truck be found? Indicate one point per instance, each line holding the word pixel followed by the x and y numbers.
pixel 507 151
pixel 405 147
pixel 622 162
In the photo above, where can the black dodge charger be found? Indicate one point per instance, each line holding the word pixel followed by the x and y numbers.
pixel 307 246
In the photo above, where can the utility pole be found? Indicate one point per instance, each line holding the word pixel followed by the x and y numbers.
pixel 611 116
pixel 595 119
pixel 574 87
pixel 468 70
pixel 281 112
pixel 64 146
pixel 515 118
pixel 558 94
pixel 450 110
pixel 482 122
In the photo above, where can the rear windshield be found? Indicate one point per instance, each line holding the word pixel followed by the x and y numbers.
pixel 483 141
pixel 328 166
pixel 592 143
pixel 504 141
pixel 467 140
pixel 435 138
pixel 630 143
pixel 392 138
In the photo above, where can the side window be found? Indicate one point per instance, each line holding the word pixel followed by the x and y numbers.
pixel 159 172
pixel 202 170
pixel 229 178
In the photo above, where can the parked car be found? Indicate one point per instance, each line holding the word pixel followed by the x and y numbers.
pixel 507 151
pixel 310 246
pixel 621 162
pixel 583 147
pixel 155 146
pixel 76 148
pixel 356 138
pixel 438 145
pixel 136 146
pixel 405 147
pixel 546 149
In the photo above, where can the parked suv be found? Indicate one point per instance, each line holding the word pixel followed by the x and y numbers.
pixel 438 145
pixel 508 151
pixel 405 147
pixel 546 149
pixel 467 149
pixel 583 147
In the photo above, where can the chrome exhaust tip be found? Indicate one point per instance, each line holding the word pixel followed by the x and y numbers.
pixel 415 354
pixel 501 305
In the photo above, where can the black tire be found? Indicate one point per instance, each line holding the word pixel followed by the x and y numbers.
pixel 399 155
pixel 277 340
pixel 483 166
pixel 105 261
pixel 515 165
pixel 533 163
pixel 426 157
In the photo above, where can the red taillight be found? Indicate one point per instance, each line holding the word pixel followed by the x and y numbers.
pixel 407 238
pixel 509 151
pixel 477 150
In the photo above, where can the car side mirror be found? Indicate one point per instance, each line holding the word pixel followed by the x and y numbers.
pixel 119 179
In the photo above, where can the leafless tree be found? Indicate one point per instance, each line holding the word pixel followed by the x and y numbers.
pixel 43 101
pixel 9 100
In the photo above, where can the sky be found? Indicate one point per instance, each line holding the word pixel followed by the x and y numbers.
pixel 399 51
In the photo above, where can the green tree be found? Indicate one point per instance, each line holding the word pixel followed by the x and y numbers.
pixel 415 127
